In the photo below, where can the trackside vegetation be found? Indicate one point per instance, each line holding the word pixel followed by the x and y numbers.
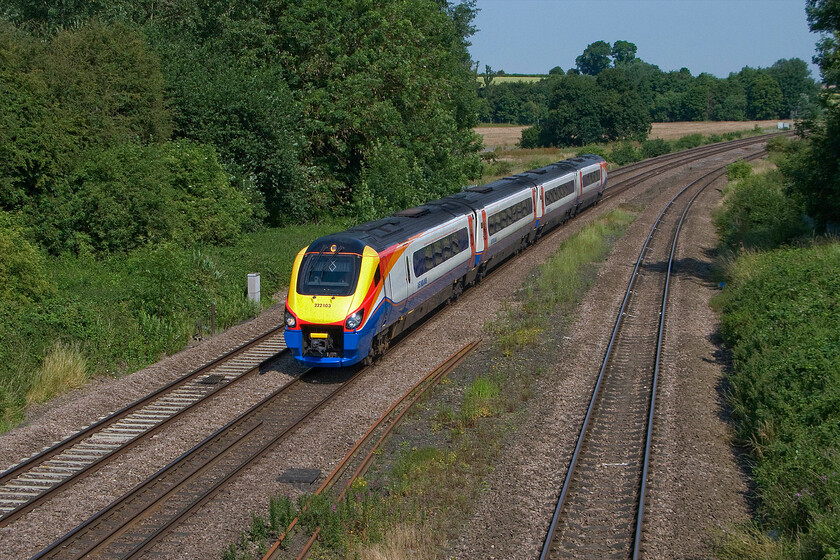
pixel 781 320
pixel 424 482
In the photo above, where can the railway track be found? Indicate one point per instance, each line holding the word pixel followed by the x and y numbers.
pixel 359 459
pixel 35 480
pixel 647 169
pixel 130 525
pixel 600 510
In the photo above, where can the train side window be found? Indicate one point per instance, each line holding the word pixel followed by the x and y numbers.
pixel 447 248
pixel 377 276
pixel 438 252
pixel 419 262
pixel 430 257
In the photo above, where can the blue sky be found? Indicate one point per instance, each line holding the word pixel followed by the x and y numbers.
pixel 714 36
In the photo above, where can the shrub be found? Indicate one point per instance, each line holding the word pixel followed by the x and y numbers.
pixel 530 137
pixel 782 322
pixel 690 141
pixel 596 149
pixel 129 195
pixel 738 170
pixel 758 215
pixel 625 153
pixel 22 274
pixel 655 147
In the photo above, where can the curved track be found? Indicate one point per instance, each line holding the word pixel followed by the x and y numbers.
pixel 40 476
pixel 33 481
pixel 600 510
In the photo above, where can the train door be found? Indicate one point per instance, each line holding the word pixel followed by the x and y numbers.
pixel 397 286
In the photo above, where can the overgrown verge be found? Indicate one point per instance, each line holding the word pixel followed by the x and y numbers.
pixel 781 320
pixel 423 485
pixel 73 317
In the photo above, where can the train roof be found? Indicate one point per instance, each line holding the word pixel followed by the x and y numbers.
pixel 401 226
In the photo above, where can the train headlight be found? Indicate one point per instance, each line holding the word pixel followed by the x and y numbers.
pixel 353 321
pixel 290 320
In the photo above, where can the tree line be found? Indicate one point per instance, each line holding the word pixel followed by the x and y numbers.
pixel 133 123
pixel 629 93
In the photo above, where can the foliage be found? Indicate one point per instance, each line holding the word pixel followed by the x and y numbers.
pixel 813 166
pixel 23 275
pixel 130 196
pixel 782 322
pixel 624 153
pixel 583 110
pixel 757 214
pixel 784 90
pixel 80 90
pixel 393 74
pixel 595 58
pixel 738 170
pixel 655 147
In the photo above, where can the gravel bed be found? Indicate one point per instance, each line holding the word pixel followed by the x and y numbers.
pixel 512 514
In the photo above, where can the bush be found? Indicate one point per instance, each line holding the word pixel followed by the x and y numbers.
pixel 690 141
pixel 758 215
pixel 23 276
pixel 782 321
pixel 129 196
pixel 738 170
pixel 624 153
pixel 597 149
pixel 655 147
pixel 530 137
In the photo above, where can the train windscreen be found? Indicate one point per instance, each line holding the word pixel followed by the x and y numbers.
pixel 328 274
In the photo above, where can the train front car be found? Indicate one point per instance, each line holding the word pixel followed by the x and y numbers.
pixel 330 309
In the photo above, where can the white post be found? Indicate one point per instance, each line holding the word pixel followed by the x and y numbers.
pixel 254 287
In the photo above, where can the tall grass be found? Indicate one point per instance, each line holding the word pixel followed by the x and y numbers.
pixel 64 368
pixel 559 280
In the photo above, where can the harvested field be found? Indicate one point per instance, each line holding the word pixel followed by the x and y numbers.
pixel 674 130
pixel 503 135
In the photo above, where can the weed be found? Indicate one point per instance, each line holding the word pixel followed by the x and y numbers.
pixel 480 401
pixel 64 368
pixel 281 512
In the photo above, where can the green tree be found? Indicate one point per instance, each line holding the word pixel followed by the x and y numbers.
pixel 814 167
pixel 824 18
pixel 575 110
pixel 488 75
pixel 623 52
pixel 764 97
pixel 794 79
pixel 624 115
pixel 595 58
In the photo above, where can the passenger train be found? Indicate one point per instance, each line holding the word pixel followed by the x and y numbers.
pixel 353 292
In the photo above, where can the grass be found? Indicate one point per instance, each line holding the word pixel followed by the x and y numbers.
pixel 564 275
pixel 64 368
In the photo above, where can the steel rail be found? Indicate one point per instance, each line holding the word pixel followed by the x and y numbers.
pixel 405 403
pixel 197 395
pixel 637 538
pixel 608 353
